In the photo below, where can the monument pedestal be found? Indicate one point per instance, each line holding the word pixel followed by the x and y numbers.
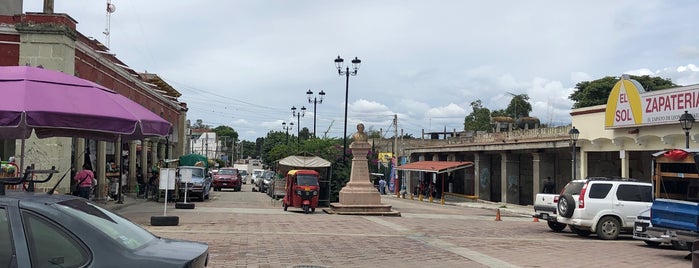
pixel 359 197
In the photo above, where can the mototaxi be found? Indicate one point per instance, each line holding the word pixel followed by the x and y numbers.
pixel 302 189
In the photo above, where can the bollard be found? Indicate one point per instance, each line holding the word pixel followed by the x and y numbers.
pixel 420 197
pixel 442 200
pixel 430 198
pixel 497 215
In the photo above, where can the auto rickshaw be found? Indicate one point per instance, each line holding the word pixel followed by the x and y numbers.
pixel 302 190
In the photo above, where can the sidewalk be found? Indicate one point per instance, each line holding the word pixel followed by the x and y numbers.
pixel 127 200
pixel 518 210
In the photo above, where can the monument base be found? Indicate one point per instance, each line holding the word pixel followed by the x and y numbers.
pixel 365 210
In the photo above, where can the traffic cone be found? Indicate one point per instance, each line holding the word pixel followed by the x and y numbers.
pixel 536 219
pixel 497 215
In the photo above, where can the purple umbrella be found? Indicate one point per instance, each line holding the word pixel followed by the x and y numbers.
pixel 55 104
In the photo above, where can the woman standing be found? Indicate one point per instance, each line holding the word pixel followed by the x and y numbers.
pixel 84 181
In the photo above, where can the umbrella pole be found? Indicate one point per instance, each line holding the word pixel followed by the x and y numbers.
pixel 21 158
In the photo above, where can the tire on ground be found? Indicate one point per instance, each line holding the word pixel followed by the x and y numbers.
pixel 566 205
pixel 182 205
pixel 164 220
pixel 556 226
pixel 608 228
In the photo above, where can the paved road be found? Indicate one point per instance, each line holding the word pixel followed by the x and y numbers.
pixel 248 229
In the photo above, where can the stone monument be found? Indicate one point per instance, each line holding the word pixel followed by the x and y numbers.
pixel 359 197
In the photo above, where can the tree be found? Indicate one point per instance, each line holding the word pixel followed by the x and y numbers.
pixel 591 93
pixel 479 119
pixel 519 106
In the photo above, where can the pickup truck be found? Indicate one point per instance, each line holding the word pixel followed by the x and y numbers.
pixel 545 208
pixel 675 220
pixel 674 214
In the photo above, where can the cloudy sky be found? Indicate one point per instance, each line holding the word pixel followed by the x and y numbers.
pixel 244 64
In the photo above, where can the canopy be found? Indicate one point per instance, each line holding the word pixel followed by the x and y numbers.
pixel 55 104
pixel 304 161
pixel 435 166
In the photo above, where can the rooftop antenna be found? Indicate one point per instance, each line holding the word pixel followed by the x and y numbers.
pixel 110 9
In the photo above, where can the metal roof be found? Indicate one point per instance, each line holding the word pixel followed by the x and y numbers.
pixel 435 166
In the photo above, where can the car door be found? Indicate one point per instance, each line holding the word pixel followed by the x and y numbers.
pixel 631 199
pixel 597 200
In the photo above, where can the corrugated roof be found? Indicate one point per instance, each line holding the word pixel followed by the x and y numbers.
pixel 435 166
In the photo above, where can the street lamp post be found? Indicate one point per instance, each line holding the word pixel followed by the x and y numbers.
pixel 287 128
pixel 298 121
pixel 574 133
pixel 686 120
pixel 315 101
pixel 355 67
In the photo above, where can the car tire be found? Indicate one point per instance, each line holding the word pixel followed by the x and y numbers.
pixel 566 205
pixel 679 245
pixel 237 189
pixel 202 197
pixel 580 232
pixel 556 226
pixel 164 220
pixel 608 228
pixel 652 244
pixel 182 205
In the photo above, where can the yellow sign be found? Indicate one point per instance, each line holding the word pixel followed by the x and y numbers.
pixel 624 104
pixel 385 157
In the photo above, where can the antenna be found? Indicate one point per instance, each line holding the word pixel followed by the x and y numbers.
pixel 110 9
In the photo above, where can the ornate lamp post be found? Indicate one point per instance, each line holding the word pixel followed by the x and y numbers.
pixel 298 121
pixel 290 127
pixel 686 120
pixel 355 67
pixel 315 101
pixel 574 133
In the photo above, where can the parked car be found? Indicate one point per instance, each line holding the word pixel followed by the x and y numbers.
pixel 640 233
pixel 256 174
pixel 42 230
pixel 265 180
pixel 603 205
pixel 228 178
pixel 244 175
pixel 199 187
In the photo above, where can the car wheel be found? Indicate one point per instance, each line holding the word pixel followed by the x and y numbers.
pixel 207 196
pixel 313 209
pixel 182 205
pixel 305 209
pixel 580 232
pixel 556 226
pixel 202 197
pixel 608 228
pixel 164 220
pixel 652 244
pixel 566 205
pixel 237 189
pixel 679 245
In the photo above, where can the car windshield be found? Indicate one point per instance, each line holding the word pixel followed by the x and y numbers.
pixel 227 172
pixel 243 173
pixel 121 230
pixel 268 174
pixel 197 172
pixel 307 180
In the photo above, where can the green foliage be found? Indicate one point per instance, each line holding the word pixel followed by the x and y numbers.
pixel 591 93
pixel 479 119
pixel 519 106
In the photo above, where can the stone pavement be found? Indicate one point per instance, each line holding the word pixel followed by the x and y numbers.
pixel 247 229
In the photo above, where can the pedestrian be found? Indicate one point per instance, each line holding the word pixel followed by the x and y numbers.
pixel 549 186
pixel 382 186
pixel 84 181
pixel 152 186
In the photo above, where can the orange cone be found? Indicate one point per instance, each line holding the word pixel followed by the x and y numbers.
pixel 536 219
pixel 497 215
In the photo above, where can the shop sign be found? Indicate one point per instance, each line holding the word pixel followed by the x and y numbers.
pixel 629 105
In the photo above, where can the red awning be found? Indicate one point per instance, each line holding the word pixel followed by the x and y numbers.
pixel 435 166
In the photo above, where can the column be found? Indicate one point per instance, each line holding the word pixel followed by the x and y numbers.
pixel 509 186
pixel 100 170
pixel 154 152
pixel 536 167
pixel 481 176
pixel 144 159
pixel 624 157
pixel 132 165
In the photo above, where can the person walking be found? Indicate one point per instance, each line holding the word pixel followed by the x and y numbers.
pixel 84 181
pixel 382 186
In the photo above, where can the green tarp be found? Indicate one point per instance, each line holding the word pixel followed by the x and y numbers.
pixel 192 159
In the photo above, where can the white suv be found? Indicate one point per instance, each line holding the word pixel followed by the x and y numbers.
pixel 606 206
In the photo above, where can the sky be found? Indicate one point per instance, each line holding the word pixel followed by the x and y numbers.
pixel 245 63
